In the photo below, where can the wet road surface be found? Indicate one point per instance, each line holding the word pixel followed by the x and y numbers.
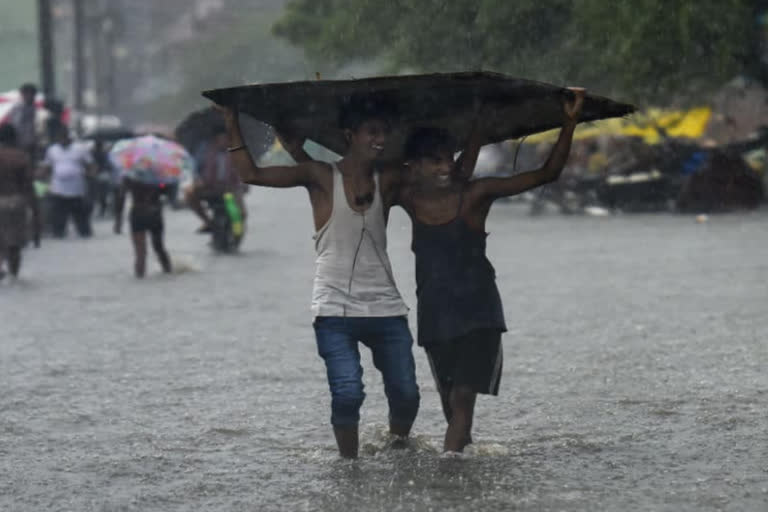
pixel 635 374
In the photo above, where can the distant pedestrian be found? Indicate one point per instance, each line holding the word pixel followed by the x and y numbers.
pixel 146 216
pixel 100 184
pixel 17 195
pixel 23 117
pixel 69 164
pixel 216 175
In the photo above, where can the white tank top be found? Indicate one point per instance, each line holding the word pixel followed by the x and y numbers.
pixel 353 276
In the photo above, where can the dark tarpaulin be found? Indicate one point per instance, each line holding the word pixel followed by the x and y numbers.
pixel 110 134
pixel 448 100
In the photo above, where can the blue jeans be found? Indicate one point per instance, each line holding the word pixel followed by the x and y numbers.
pixel 390 342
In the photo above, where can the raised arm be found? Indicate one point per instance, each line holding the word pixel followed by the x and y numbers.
pixel 465 164
pixel 301 175
pixel 493 188
pixel 293 145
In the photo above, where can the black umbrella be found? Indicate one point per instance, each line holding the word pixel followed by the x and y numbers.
pixel 199 126
pixel 448 100
pixel 110 134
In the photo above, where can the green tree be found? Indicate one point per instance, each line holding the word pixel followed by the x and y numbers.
pixel 643 48
pixel 18 40
pixel 666 46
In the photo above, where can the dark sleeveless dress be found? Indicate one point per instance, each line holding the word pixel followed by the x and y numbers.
pixel 455 282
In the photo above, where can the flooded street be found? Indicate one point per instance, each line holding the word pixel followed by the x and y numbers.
pixel 635 374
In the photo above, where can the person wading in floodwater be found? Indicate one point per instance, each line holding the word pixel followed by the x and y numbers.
pixel 17 195
pixel 145 216
pixel 69 163
pixel 355 298
pixel 460 316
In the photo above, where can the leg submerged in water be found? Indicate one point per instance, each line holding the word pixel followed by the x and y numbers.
pixel 459 432
pixel 337 345
pixel 445 402
pixel 14 261
pixel 194 202
pixel 160 252
pixel 463 368
pixel 81 213
pixel 140 253
pixel 393 357
pixel 347 440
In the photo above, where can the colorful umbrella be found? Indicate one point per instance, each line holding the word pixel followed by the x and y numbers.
pixel 152 160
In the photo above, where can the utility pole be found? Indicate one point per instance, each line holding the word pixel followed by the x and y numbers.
pixel 109 67
pixel 45 48
pixel 78 82
pixel 102 42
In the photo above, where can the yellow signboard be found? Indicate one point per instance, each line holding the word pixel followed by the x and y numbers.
pixel 647 125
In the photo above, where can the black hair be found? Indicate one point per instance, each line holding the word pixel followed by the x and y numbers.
pixel 8 135
pixel 28 87
pixel 357 109
pixel 428 141
pixel 54 106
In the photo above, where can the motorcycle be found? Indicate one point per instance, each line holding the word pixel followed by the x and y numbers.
pixel 226 223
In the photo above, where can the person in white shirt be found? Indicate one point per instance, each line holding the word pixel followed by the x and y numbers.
pixel 69 164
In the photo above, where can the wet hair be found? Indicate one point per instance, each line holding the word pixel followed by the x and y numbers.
pixel 428 141
pixel 357 109
pixel 28 88
pixel 8 135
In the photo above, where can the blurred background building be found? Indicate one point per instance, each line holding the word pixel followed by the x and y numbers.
pixel 145 61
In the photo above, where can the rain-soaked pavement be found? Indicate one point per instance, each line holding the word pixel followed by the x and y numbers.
pixel 635 376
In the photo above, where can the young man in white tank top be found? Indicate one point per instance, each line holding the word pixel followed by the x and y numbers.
pixel 355 298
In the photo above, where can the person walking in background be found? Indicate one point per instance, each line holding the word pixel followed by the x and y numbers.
pixel 23 117
pixel 100 185
pixel 69 164
pixel 216 175
pixel 17 195
pixel 145 216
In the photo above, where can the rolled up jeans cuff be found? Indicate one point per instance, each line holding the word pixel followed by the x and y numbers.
pixel 405 418
pixel 345 414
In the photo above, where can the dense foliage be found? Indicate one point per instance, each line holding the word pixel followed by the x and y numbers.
pixel 639 47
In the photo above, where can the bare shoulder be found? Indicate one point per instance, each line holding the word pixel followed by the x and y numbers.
pixel 319 172
pixel 315 166
pixel 311 174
